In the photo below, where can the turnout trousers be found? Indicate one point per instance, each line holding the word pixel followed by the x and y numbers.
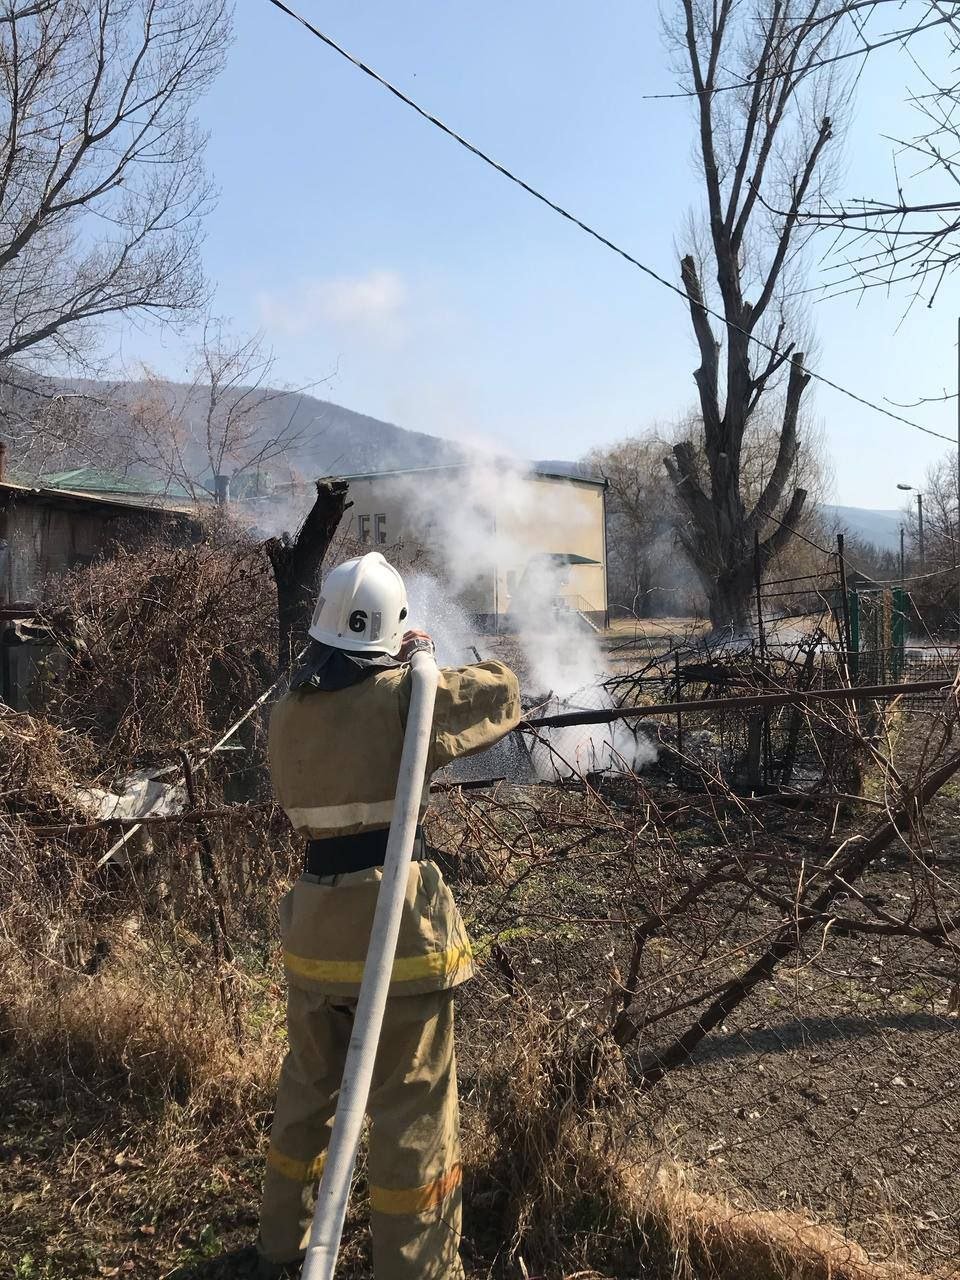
pixel 414 1169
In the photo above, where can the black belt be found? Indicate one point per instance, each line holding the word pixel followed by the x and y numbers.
pixel 339 855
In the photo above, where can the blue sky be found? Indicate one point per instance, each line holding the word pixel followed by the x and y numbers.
pixel 374 253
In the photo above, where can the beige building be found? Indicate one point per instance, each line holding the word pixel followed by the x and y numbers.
pixel 497 535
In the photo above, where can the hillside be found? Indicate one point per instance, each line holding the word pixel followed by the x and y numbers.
pixel 330 439
pixel 327 438
pixel 881 528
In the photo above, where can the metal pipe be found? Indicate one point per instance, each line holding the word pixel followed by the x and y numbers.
pixel 850 655
pixel 676 669
pixel 848 693
pixel 327 1226
pixel 758 587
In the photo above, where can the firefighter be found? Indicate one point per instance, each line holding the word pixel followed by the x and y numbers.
pixel 335 743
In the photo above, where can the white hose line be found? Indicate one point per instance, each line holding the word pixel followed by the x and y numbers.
pixel 334 1193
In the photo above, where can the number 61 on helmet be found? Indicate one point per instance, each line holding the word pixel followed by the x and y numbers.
pixel 362 607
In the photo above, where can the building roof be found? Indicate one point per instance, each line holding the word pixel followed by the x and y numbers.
pixel 552 470
pixel 96 481
pixel 79 500
pixel 556 468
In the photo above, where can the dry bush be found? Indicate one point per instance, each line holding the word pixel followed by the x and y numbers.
pixel 568 1186
pixel 776 972
pixel 41 765
pixel 110 972
pixel 119 970
pixel 161 646
pixel 593 956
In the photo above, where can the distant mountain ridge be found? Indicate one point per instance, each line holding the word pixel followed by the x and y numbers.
pixel 330 439
pixel 881 528
pixel 334 440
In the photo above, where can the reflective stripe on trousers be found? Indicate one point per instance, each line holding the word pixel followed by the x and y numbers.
pixel 414 1151
pixel 450 966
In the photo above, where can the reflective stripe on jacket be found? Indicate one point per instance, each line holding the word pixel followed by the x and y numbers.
pixel 334 759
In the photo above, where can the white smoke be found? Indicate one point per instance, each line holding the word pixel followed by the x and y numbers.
pixel 489 515
pixel 469 520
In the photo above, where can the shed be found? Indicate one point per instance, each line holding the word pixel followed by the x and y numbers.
pixel 46 530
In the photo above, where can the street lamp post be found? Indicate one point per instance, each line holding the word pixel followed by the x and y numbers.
pixel 909 488
pixel 902 574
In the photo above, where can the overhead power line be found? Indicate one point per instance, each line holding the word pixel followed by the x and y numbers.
pixel 585 227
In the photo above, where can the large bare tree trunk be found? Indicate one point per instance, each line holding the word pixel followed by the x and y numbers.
pixel 760 158
pixel 297 562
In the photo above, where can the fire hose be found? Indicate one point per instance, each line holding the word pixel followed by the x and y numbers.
pixel 334 1193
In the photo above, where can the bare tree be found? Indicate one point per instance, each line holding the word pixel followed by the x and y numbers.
pixel 102 186
pixel 49 426
pixel 934 591
pixel 222 423
pixel 913 233
pixel 639 514
pixel 761 146
pixel 643 520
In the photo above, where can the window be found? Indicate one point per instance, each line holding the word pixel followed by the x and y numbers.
pixel 380 529
pixel 363 528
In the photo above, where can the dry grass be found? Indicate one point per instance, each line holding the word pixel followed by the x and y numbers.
pixel 151 1125
pixel 156 1034
pixel 709 1235
pixel 572 1192
pixel 135 1119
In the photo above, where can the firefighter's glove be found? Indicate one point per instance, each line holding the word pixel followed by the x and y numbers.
pixel 415 642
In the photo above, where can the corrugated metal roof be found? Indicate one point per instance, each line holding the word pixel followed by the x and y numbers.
pixel 96 481
pixel 548 470
pixel 75 497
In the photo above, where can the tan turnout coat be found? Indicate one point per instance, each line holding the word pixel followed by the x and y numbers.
pixel 334 759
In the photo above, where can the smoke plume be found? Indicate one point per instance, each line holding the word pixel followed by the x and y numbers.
pixel 489 515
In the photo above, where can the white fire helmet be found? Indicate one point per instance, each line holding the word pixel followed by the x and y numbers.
pixel 362 607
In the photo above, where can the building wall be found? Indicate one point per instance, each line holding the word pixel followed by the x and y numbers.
pixel 530 516
pixel 39 539
pixel 564 518
pixel 413 509
pixel 42 540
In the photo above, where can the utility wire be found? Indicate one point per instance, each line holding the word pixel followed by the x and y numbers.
pixel 797 534
pixel 917 577
pixel 585 227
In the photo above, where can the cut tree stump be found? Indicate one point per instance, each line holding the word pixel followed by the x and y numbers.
pixel 297 562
